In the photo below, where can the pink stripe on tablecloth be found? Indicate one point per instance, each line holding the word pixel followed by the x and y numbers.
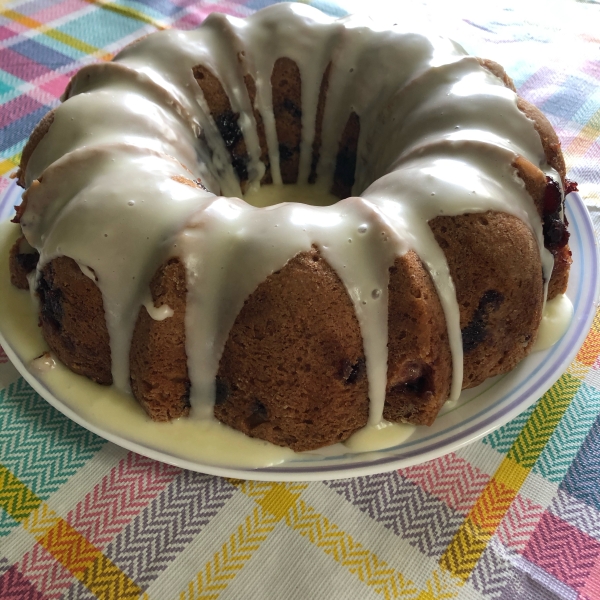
pixel 590 38
pixel 112 504
pixel 17 28
pixel 591 589
pixel 119 497
pixel 519 523
pixel 450 479
pixel 14 586
pixel 20 66
pixel 58 11
pixel 562 550
pixel 56 86
pixel 591 68
pixel 45 573
pixel 6 33
pixel 204 9
pixel 188 21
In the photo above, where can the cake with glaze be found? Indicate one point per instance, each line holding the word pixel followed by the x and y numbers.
pixel 294 323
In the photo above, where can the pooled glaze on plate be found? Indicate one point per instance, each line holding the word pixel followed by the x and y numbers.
pixel 476 413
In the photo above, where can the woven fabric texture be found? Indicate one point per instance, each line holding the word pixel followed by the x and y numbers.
pixel 513 516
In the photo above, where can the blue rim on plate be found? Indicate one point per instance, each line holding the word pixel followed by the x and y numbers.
pixel 484 412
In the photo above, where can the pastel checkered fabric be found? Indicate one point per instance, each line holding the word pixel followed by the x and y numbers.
pixel 514 516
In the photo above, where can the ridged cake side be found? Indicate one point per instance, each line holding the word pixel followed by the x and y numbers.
pixel 276 321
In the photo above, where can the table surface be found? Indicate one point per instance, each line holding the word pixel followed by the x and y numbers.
pixel 515 515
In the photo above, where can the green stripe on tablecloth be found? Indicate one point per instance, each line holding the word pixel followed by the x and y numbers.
pixel 568 436
pixel 502 439
pixel 547 414
pixel 38 444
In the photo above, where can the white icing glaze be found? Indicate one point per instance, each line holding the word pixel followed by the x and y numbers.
pixel 44 363
pixel 269 195
pixel 83 218
pixel 555 320
pixel 158 313
pixel 379 436
pixel 438 136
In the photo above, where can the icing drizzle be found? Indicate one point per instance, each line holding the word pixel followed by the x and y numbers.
pixel 130 130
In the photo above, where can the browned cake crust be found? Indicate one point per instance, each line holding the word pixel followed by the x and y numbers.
pixel 260 130
pixel 22 259
pixel 36 137
pixel 560 273
pixel 537 187
pixel 158 362
pixel 535 181
pixel 290 373
pixel 495 265
pixel 548 136
pixel 498 71
pixel 316 146
pixel 419 359
pixel 72 319
pixel 345 164
pixel 286 84
pixel 226 121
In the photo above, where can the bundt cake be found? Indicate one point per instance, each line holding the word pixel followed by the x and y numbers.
pixel 431 233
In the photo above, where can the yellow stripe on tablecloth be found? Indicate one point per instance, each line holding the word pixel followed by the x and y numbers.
pixel 125 11
pixel 78 555
pixel 106 581
pixel 277 498
pixel 283 502
pixel 15 497
pixel 70 548
pixel 19 18
pixel 492 505
pixel 233 556
pixel 8 164
pixel 465 549
pixel 60 36
pixel 511 474
pixel 274 501
pixel 41 521
pixel 548 412
pixel 84 560
pixel 440 586
pixel 578 370
pixel 469 542
pixel 360 561
pixel 589 352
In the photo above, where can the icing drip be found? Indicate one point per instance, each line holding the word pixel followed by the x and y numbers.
pixel 158 313
pixel 44 363
pixel 84 217
pixel 132 132
pixel 555 320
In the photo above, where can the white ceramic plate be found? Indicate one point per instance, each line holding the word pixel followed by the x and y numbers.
pixel 477 412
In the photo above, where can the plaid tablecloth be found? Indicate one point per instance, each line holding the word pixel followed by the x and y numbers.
pixel 516 515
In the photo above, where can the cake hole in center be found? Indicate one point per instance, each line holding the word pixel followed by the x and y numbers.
pixel 269 195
